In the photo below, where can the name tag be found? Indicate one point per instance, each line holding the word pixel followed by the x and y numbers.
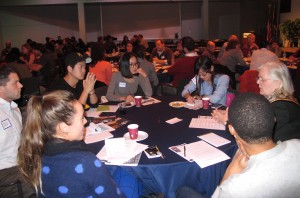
pixel 122 84
pixel 6 123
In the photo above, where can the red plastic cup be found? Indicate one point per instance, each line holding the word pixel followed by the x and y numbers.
pixel 205 102
pixel 133 131
pixel 138 101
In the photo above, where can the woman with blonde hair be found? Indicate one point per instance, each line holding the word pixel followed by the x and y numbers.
pixel 275 84
pixel 52 155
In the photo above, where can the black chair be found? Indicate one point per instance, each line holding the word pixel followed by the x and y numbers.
pixel 168 89
pixel 222 69
pixel 17 184
pixel 101 91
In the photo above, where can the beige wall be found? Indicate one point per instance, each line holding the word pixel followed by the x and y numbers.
pixel 295 12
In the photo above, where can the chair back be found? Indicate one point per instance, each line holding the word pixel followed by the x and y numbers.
pixel 13 185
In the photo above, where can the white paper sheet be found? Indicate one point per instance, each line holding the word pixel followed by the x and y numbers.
pixel 206 122
pixel 150 101
pixel 97 132
pixel 194 106
pixel 173 120
pixel 201 152
pixel 214 139
pixel 92 113
pixel 118 151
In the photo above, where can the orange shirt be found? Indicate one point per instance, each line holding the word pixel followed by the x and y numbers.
pixel 103 71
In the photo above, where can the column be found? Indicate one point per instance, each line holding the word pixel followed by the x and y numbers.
pixel 81 21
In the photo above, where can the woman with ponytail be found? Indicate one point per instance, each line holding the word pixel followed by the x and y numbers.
pixel 52 155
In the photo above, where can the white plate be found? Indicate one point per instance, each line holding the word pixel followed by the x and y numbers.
pixel 142 135
pixel 177 104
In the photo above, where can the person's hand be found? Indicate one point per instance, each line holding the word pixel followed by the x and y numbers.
pixel 220 116
pixel 129 98
pixel 142 72
pixel 22 59
pixel 89 82
pixel 177 53
pixel 190 99
pixel 237 165
pixel 155 59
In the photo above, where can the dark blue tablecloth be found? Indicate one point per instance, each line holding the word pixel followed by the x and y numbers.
pixel 168 174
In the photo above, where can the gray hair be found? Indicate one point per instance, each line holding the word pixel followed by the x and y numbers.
pixel 279 71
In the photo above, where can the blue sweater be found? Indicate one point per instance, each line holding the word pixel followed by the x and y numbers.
pixel 76 173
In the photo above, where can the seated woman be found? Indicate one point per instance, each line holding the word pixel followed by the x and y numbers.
pixel 232 57
pixel 27 54
pixel 53 156
pixel 129 47
pixel 276 85
pixel 207 83
pixel 99 67
pixel 124 84
pixel 73 80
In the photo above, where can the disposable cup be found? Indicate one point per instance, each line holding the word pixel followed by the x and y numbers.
pixel 133 131
pixel 205 102
pixel 138 101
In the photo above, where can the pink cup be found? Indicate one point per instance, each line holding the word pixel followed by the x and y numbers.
pixel 205 102
pixel 138 101
pixel 133 131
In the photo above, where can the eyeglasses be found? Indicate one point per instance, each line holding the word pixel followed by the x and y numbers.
pixel 259 79
pixel 132 65
pixel 202 74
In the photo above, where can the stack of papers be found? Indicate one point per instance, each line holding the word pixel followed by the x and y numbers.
pixel 118 151
pixel 97 132
pixel 200 152
pixel 206 122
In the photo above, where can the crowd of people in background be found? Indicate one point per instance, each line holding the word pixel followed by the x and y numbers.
pixel 70 71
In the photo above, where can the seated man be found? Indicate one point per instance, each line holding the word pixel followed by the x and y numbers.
pixel 260 167
pixel 184 67
pixel 275 48
pixel 250 46
pixel 10 134
pixel 73 80
pixel 44 66
pixel 161 54
pixel 209 51
pixel 148 67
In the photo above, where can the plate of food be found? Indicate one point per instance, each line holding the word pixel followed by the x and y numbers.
pixel 177 104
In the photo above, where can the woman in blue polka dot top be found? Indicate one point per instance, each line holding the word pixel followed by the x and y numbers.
pixel 52 154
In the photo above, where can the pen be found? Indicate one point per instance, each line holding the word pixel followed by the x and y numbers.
pixel 162 156
pixel 184 150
